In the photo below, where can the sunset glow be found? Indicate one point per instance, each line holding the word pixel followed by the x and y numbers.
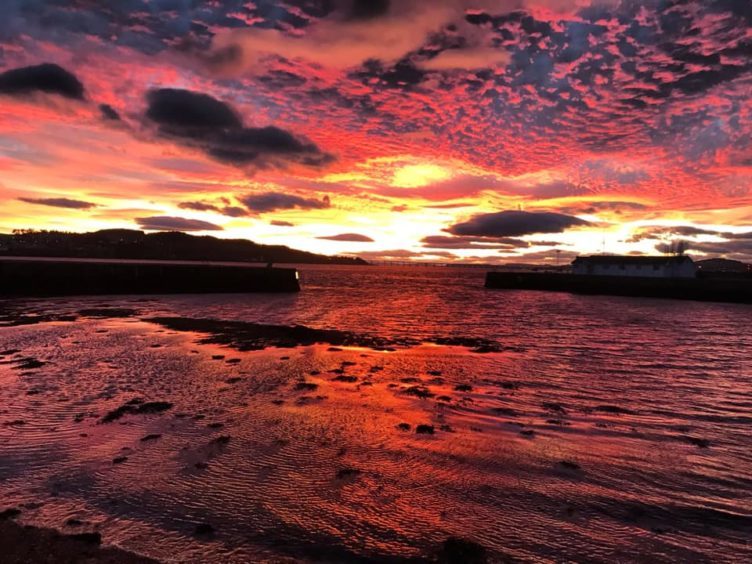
pixel 388 133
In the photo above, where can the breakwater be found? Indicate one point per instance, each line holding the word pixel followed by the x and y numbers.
pixel 22 276
pixel 715 289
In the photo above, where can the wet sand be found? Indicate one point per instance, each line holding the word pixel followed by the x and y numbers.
pixel 198 440
pixel 26 544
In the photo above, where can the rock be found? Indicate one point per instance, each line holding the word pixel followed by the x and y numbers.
pixel 344 378
pixel 424 429
pixel 136 407
pixel 74 522
pixel 10 513
pixel 410 380
pixel 306 386
pixel 698 442
pixel 419 391
pixel 221 440
pixel 88 538
pixel 119 459
pixel 151 437
pixel 203 530
pixel 612 409
pixel 28 364
pixel 403 426
pixel 456 550
pixel 218 357
pixel 463 388
pixel 233 361
pixel 347 473
pixel 233 380
pixel 527 433
pixel 215 425
pixel 569 465
pixel 434 372
pixel 555 407
pixel 15 423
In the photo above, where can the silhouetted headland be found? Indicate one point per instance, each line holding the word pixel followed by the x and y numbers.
pixel 673 277
pixel 173 245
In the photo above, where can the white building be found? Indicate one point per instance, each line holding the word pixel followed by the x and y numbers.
pixel 648 267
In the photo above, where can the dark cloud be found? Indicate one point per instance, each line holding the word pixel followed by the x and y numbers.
pixel 368 9
pixel 60 203
pixel 353 237
pixel 272 201
pixel 47 77
pixel 248 144
pixel 616 207
pixel 471 243
pixel 279 223
pixel 167 223
pixel 108 112
pixel 515 224
pixel 231 211
pixel 739 249
pixel 198 206
pixel 663 232
pixel 201 121
pixel 183 112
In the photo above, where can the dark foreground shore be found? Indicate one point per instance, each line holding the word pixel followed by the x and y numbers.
pixel 21 544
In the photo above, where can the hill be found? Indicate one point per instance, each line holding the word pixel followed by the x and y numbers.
pixel 132 244
pixel 723 265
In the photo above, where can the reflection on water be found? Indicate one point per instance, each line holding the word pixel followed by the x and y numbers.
pixel 608 429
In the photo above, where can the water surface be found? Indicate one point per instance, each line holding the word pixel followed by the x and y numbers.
pixel 605 429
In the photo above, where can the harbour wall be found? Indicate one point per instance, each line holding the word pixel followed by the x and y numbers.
pixel 716 289
pixel 58 277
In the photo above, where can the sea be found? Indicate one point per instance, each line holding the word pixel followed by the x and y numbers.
pixel 533 426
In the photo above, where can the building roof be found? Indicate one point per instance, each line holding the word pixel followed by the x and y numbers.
pixel 633 260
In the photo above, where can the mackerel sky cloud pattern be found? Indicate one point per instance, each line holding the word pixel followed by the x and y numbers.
pixel 399 119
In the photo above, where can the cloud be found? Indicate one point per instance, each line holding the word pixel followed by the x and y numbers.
pixel 470 59
pixel 203 122
pixel 353 237
pixel 109 113
pixel 60 203
pixel 47 77
pixel 184 113
pixel 231 211
pixel 368 9
pixel 272 201
pixel 386 31
pixel 167 223
pixel 471 243
pixel 515 223
pixel 280 223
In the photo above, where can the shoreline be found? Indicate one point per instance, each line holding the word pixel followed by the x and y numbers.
pixel 21 544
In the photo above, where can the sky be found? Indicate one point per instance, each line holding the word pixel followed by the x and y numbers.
pixel 445 130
